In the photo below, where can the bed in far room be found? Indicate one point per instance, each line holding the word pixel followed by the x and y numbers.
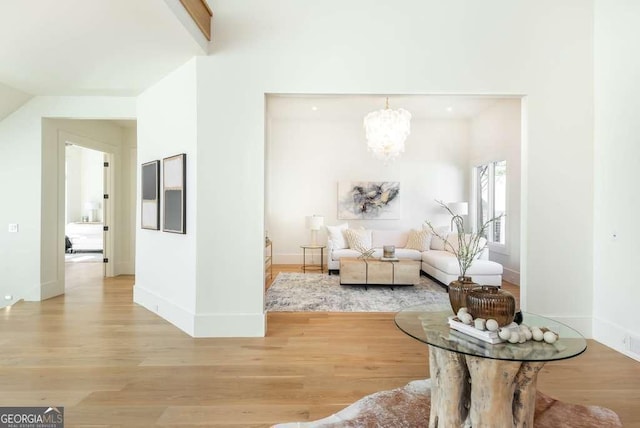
pixel 85 236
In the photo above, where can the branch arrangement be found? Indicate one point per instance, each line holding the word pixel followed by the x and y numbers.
pixel 468 244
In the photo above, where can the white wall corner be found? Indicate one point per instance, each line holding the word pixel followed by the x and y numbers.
pixel 613 336
pixel 511 276
pixel 231 325
pixel 179 317
pixel 47 290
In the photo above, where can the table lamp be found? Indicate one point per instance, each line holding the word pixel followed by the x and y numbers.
pixel 315 223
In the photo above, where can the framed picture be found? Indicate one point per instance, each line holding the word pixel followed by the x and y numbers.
pixel 174 188
pixel 150 211
pixel 364 200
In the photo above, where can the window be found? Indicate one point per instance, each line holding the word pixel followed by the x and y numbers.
pixel 491 199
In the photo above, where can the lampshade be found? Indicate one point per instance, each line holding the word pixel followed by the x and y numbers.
pixel 315 222
pixel 91 206
pixel 458 208
pixel 386 131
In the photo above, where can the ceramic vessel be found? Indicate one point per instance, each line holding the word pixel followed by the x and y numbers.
pixel 491 303
pixel 458 291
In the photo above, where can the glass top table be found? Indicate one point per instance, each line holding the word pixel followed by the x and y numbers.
pixel 433 329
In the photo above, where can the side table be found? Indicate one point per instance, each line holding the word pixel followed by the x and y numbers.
pixel 313 266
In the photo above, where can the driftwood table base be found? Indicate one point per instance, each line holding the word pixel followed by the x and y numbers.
pixel 470 391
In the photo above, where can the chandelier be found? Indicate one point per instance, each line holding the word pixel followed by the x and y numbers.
pixel 386 130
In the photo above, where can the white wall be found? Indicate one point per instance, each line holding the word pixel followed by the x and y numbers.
pixel 617 174
pixel 10 100
pixel 126 248
pixel 496 135
pixel 31 263
pixel 308 157
pixel 539 49
pixel 166 262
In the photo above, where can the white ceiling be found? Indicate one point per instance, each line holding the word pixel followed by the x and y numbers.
pixel 91 47
pixel 357 106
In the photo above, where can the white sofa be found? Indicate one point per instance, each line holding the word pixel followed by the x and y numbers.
pixel 436 261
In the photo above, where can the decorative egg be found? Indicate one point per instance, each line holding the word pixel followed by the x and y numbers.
pixel 515 337
pixel 492 325
pixel 466 318
pixel 523 337
pixel 504 333
pixel 537 334
pixel 550 337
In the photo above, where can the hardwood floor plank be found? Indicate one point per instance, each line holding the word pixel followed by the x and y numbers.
pixel 113 363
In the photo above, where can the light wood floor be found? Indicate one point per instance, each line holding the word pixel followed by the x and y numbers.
pixel 110 362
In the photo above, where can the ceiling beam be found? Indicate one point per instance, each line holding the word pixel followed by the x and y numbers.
pixel 201 14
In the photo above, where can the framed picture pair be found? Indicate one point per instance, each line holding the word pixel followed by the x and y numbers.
pixel 173 194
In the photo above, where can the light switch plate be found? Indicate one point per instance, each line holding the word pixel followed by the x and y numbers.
pixel 13 227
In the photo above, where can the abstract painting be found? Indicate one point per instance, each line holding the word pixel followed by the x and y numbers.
pixel 363 200
pixel 175 193
pixel 151 195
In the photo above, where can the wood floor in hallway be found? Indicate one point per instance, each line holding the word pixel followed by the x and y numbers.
pixel 110 362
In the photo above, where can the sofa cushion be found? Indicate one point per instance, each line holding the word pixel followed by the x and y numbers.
pixel 336 235
pixel 358 239
pixel 408 254
pixel 447 263
pixel 419 240
pixel 436 242
pixel 344 252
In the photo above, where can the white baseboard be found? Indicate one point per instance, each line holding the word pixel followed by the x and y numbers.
pixel 614 336
pixel 511 276
pixel 179 317
pixel 202 325
pixel 48 290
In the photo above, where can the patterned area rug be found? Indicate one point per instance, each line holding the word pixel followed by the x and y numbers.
pixel 410 406
pixel 315 292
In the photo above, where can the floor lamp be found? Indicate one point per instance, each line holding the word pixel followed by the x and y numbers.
pixel 458 209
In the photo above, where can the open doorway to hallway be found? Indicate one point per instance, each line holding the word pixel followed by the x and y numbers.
pixel 85 186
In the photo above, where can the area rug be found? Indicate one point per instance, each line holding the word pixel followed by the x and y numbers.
pixel 315 292
pixel 410 405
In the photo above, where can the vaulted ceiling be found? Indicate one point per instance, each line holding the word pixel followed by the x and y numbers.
pixel 81 47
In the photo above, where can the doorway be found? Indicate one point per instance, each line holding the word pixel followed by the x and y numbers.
pixel 86 182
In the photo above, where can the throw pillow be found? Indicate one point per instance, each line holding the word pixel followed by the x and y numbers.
pixel 436 242
pixel 358 239
pixel 336 235
pixel 419 240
